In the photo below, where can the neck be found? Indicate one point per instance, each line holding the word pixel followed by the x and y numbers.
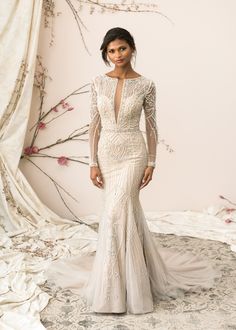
pixel 123 71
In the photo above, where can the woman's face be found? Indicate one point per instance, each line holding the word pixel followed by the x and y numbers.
pixel 119 52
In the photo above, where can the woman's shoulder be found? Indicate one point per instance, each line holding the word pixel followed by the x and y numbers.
pixel 146 81
pixel 95 78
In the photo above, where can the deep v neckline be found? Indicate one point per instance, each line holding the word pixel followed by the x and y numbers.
pixel 117 113
pixel 116 80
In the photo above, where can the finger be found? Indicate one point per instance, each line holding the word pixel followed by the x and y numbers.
pixel 96 183
pixel 145 182
pixel 143 185
pixel 145 177
pixel 100 179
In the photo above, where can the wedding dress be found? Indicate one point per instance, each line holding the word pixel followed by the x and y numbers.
pixel 129 271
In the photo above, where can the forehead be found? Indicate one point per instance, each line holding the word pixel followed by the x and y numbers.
pixel 117 43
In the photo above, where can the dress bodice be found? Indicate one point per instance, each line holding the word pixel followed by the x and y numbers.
pixel 132 97
pixel 136 94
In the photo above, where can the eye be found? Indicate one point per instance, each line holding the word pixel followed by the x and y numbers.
pixel 112 50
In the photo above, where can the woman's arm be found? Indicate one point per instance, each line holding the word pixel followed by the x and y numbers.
pixel 149 106
pixel 94 126
pixel 94 134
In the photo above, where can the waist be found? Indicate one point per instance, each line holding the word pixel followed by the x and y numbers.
pixel 117 130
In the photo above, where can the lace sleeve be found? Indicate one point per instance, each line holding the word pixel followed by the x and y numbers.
pixel 149 106
pixel 94 126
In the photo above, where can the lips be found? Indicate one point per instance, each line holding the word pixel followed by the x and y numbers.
pixel 119 61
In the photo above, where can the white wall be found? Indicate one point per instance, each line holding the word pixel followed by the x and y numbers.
pixel 193 65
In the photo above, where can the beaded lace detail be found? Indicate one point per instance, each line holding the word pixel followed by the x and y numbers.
pixel 134 94
pixel 129 270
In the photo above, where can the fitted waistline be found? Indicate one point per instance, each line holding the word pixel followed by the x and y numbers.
pixel 121 130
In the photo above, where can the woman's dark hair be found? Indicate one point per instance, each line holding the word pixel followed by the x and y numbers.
pixel 112 34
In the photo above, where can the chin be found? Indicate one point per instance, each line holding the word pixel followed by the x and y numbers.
pixel 121 64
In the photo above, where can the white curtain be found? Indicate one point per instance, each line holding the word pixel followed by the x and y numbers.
pixel 19 30
pixel 26 224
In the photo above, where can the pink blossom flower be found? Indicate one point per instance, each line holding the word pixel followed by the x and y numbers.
pixel 228 220
pixel 35 150
pixel 31 150
pixel 229 210
pixel 65 105
pixel 28 151
pixel 55 109
pixel 62 160
pixel 41 125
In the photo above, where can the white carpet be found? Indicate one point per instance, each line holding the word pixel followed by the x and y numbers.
pixel 25 254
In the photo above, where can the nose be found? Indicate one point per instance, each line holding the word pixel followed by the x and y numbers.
pixel 118 56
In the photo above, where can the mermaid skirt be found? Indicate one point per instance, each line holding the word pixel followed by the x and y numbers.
pixel 129 271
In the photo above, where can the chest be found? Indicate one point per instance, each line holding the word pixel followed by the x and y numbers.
pixel 120 98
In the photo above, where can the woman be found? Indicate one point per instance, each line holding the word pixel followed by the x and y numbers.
pixel 128 271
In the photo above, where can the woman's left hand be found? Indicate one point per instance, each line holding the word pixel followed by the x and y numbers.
pixel 147 176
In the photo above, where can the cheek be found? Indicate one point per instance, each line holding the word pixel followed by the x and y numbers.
pixel 109 56
pixel 127 54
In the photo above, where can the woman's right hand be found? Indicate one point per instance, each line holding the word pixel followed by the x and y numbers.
pixel 96 176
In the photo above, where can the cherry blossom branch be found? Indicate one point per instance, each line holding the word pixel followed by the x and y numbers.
pixel 167 145
pixel 49 121
pixel 229 211
pixel 61 102
pixel 49 13
pixel 78 22
pixel 69 138
pixel 168 148
pixel 47 175
pixel 124 6
pixel 127 7
pixel 41 77
pixel 78 129
pixel 68 208
pixel 222 197
pixel 57 186
pixel 71 158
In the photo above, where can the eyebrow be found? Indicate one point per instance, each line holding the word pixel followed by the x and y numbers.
pixel 118 47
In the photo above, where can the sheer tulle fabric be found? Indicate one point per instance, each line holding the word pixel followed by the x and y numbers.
pixel 136 94
pixel 129 271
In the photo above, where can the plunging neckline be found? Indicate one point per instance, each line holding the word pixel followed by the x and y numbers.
pixel 121 96
pixel 121 100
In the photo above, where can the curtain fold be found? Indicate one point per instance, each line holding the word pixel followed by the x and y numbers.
pixel 28 235
pixel 19 32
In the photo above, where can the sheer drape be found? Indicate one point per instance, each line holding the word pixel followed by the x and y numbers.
pixel 21 299
pixel 20 207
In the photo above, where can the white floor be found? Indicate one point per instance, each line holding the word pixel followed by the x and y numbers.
pixel 25 254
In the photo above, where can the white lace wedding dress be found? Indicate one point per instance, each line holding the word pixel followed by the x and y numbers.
pixel 129 271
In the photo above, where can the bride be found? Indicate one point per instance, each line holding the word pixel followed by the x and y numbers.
pixel 129 271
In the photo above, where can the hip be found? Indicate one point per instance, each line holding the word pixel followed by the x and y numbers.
pixel 121 146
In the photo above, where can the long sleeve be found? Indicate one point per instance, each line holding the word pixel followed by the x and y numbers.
pixel 149 106
pixel 94 126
